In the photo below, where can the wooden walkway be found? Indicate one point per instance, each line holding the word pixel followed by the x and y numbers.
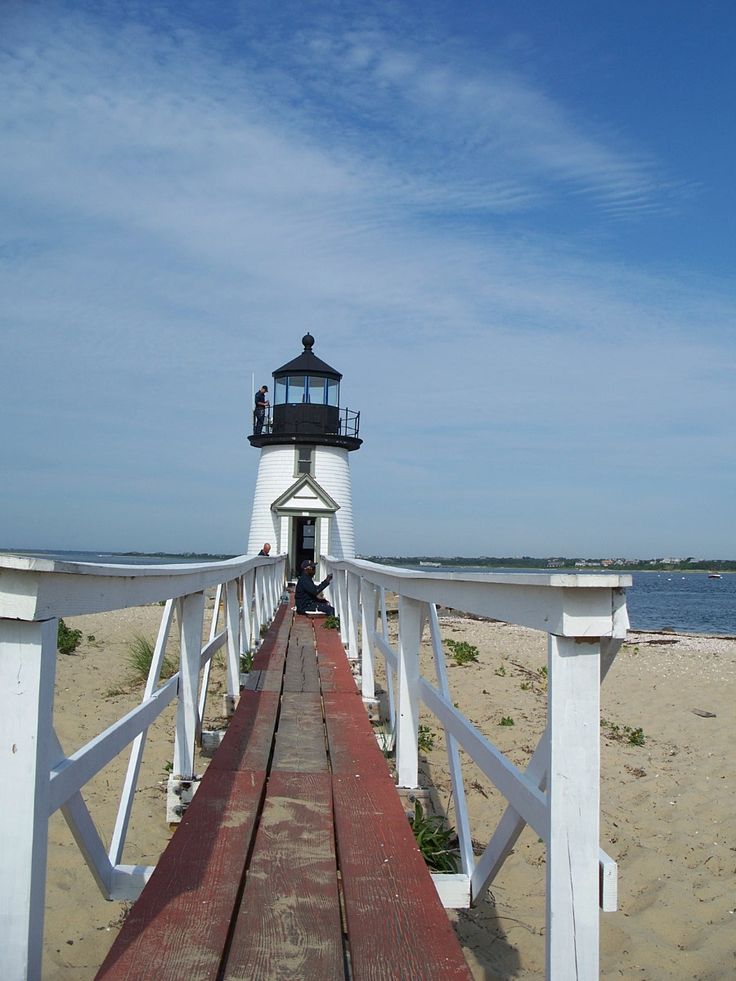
pixel 295 859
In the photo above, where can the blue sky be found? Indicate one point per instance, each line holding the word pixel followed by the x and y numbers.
pixel 508 224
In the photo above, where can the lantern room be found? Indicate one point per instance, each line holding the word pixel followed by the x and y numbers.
pixel 306 405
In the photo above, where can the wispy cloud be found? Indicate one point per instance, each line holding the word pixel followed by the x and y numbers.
pixel 499 141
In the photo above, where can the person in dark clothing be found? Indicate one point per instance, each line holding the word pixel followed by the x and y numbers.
pixel 259 410
pixel 307 593
pixel 266 549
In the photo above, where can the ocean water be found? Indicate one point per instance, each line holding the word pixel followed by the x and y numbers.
pixel 687 602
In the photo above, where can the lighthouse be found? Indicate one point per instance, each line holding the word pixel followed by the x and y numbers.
pixel 303 501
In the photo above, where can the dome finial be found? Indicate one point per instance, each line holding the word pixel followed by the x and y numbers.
pixel 308 342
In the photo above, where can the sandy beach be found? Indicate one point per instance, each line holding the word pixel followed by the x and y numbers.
pixel 667 790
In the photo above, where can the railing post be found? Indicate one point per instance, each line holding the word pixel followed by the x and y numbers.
pixel 573 800
pixel 232 619
pixel 389 670
pixel 275 588
pixel 465 840
pixel 257 606
pixel 340 584
pixel 246 631
pixel 189 611
pixel 120 831
pixel 353 610
pixel 369 615
pixel 270 591
pixel 27 670
pixel 411 621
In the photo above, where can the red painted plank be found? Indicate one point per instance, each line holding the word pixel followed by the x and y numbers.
pixel 178 927
pixel 391 904
pixel 350 735
pixel 327 638
pixel 334 667
pixel 289 921
pixel 249 737
pixel 276 638
pixel 271 655
pixel 270 659
pixel 273 679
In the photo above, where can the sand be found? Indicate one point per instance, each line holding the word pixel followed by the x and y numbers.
pixel 668 806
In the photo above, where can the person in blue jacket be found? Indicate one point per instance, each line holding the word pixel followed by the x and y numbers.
pixel 306 595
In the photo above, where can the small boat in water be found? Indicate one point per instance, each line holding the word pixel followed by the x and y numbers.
pixel 715 575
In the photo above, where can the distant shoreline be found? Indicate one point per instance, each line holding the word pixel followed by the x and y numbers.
pixel 560 564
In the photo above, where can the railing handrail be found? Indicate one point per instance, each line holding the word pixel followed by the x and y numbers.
pixel 606 580
pixel 38 581
pixel 33 563
pixel 564 604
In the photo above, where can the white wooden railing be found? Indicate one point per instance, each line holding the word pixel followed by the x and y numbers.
pixel 37 778
pixel 557 794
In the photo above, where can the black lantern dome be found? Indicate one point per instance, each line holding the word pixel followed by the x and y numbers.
pixel 305 405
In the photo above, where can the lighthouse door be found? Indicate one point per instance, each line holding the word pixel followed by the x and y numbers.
pixel 304 536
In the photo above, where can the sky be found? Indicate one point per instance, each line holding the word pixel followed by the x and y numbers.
pixel 508 224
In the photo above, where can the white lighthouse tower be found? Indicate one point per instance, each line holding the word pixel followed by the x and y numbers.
pixel 303 503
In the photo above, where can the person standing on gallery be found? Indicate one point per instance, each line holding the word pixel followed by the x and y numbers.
pixel 266 549
pixel 259 410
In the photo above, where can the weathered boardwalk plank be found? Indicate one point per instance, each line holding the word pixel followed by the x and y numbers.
pixel 300 740
pixel 288 926
pixel 301 666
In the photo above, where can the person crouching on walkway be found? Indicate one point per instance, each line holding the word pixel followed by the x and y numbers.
pixel 307 596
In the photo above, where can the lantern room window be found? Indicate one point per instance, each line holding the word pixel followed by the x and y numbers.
pixel 316 390
pixel 296 389
pixel 312 389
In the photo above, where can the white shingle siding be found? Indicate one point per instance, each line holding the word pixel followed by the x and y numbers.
pixel 331 470
pixel 275 474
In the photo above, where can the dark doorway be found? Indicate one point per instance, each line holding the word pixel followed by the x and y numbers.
pixel 304 537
